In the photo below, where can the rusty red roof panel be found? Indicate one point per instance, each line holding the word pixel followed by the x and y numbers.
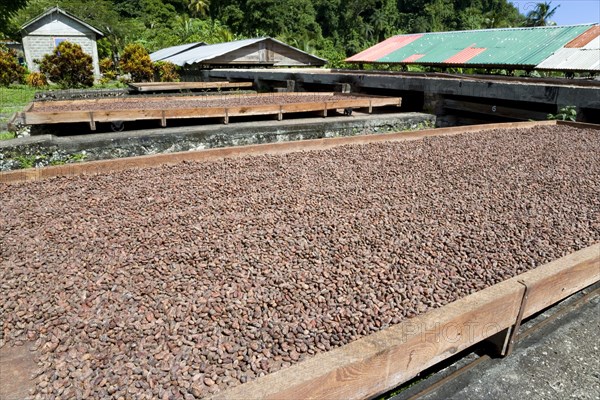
pixel 584 38
pixel 384 48
pixel 413 58
pixel 465 55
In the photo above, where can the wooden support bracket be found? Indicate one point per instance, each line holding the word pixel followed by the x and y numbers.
pixel 324 110
pixel 280 116
pixel 92 122
pixel 163 120
pixel 226 118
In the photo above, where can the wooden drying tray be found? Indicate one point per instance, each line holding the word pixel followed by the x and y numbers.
pixel 171 86
pixel 379 362
pixel 32 117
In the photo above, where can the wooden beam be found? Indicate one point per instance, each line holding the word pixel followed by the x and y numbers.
pixel 92 122
pixel 376 363
pixel 119 164
pixel 490 109
pixel 170 86
pixel 55 117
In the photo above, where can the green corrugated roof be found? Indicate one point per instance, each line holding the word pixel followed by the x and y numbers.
pixel 510 46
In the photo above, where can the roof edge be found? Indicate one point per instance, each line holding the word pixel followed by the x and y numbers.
pixel 252 41
pixel 65 13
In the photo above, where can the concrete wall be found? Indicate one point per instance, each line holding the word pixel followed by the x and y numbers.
pixel 40 37
pixel 531 94
pixel 49 148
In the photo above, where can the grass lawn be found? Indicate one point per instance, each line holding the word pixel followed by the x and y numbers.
pixel 13 99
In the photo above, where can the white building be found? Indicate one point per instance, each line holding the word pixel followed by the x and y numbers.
pixel 42 34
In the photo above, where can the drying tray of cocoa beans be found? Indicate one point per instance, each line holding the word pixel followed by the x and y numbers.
pixel 182 281
pixel 214 106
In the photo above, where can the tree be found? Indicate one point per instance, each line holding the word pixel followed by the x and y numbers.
pixel 199 7
pixel 10 69
pixel 136 61
pixel 541 14
pixel 8 8
pixel 68 66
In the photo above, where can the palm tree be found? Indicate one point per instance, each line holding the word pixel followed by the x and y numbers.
pixel 541 14
pixel 199 7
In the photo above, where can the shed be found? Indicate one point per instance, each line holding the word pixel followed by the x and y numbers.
pixel 257 52
pixel 43 33
pixel 163 54
pixel 513 48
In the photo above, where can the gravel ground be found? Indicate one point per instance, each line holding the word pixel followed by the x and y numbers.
pixel 179 281
pixel 182 102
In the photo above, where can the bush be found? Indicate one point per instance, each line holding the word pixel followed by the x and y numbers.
pixel 36 80
pixel 566 113
pixel 68 66
pixel 136 62
pixel 10 69
pixel 166 71
pixel 107 69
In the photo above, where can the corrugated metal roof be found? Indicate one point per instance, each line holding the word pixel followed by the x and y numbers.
pixel 581 54
pixel 572 59
pixel 204 54
pixel 385 47
pixel 171 51
pixel 465 55
pixel 503 47
pixel 593 44
pixel 585 38
pixel 208 52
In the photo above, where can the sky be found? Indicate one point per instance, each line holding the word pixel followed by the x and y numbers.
pixel 570 12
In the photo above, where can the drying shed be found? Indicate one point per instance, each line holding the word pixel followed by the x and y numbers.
pixel 266 52
pixel 581 54
pixel 42 34
pixel 163 54
pixel 514 48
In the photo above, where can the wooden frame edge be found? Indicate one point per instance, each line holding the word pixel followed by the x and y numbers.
pixel 379 362
pixel 155 160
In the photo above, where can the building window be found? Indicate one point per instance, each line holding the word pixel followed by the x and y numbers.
pixel 58 41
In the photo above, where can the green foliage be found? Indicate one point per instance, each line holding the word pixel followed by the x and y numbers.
pixel 136 61
pixel 10 69
pixel 166 71
pixel 107 69
pixel 7 135
pixel 36 80
pixel 541 14
pixel 68 66
pixel 330 28
pixel 567 113
pixel 199 7
pixel 8 8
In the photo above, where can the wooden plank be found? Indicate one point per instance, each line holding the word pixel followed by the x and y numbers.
pixel 177 98
pixel 119 164
pixel 201 112
pixel 34 118
pixel 92 122
pixel 490 109
pixel 582 125
pixel 378 362
pixel 169 86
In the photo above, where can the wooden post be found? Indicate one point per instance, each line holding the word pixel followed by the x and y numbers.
pixel 92 122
